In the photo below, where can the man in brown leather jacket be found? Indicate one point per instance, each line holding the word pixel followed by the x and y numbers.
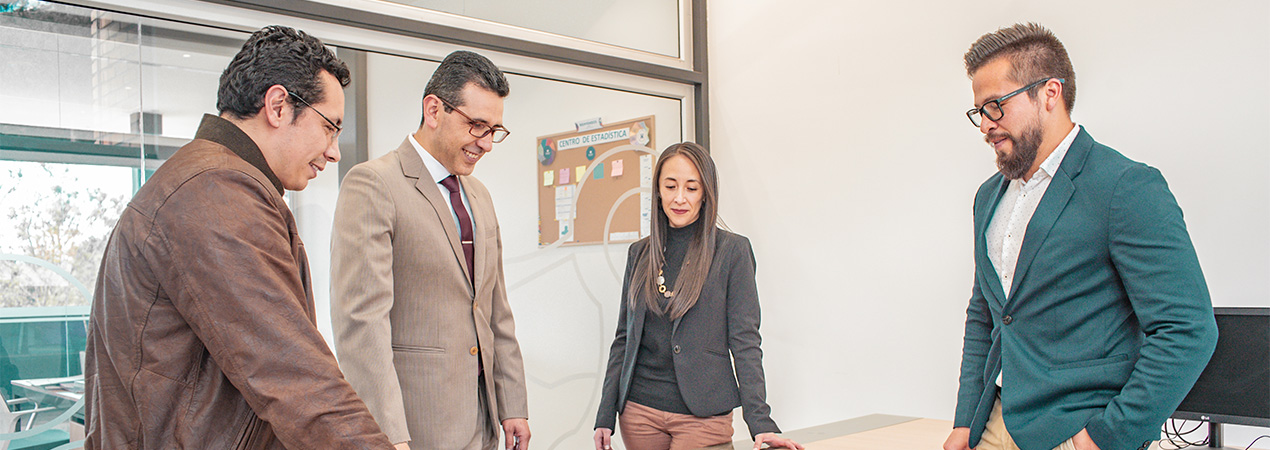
pixel 203 330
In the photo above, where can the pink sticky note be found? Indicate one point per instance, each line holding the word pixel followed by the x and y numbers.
pixel 617 168
pixel 564 176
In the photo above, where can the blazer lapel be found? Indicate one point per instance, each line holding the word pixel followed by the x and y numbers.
pixel 412 167
pixel 1051 207
pixel 478 208
pixel 990 275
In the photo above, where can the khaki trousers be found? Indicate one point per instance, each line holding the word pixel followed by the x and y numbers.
pixel 486 437
pixel 996 437
pixel 644 428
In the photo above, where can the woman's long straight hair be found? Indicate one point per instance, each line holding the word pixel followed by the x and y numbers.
pixel 696 263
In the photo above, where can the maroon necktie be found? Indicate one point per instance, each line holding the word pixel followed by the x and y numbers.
pixel 465 225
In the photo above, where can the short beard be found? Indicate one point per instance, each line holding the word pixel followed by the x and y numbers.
pixel 1016 164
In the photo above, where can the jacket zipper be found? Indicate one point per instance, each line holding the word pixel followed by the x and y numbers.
pixel 248 435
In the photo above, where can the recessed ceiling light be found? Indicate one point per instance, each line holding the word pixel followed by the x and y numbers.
pixel 187 55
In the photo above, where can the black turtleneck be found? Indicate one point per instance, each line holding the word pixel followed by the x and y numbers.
pixel 653 383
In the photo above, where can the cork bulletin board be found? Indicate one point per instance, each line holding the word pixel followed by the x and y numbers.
pixel 595 185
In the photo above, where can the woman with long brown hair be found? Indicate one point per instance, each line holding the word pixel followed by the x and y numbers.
pixel 690 311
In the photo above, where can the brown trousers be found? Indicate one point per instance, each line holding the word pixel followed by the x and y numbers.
pixel 644 428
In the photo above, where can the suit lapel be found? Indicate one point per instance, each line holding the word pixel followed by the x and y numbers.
pixel 412 167
pixel 478 206
pixel 991 278
pixel 1057 195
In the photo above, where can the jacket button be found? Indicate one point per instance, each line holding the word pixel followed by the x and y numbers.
pixel 474 351
pixel 476 307
pixel 1007 319
pixel 676 349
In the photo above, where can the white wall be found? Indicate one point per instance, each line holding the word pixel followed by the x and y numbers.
pixel 846 157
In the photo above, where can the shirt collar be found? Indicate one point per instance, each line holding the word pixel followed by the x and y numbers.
pixel 1055 159
pixel 435 168
pixel 228 135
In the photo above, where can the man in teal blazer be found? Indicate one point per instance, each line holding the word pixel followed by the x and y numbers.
pixel 1089 319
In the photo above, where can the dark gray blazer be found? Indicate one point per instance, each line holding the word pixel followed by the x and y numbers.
pixel 724 320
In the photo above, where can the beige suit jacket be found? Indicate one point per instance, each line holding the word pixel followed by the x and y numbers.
pixel 408 324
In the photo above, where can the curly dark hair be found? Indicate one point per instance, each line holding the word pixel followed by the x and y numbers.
pixel 460 68
pixel 277 55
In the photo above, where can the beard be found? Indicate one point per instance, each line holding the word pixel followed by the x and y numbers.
pixel 1015 164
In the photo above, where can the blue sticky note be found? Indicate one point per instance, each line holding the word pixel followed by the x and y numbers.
pixel 599 171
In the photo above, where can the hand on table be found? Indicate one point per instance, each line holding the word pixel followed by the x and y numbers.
pixel 774 441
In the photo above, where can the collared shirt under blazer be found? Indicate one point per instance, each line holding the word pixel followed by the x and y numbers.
pixel 409 325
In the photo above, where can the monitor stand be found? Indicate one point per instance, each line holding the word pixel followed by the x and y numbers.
pixel 1214 435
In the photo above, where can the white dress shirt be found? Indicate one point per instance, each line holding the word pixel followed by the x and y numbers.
pixel 1014 212
pixel 439 172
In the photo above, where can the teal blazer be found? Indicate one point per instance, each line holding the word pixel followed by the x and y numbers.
pixel 1108 322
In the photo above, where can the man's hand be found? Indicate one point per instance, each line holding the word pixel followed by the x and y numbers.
pixel 959 439
pixel 517 433
pixel 402 446
pixel 774 441
pixel 603 439
pixel 1082 441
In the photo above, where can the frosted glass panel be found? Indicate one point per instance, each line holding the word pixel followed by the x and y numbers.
pixel 648 25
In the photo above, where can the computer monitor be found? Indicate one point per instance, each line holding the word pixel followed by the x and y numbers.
pixel 1235 386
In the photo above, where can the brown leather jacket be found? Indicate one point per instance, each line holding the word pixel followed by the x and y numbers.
pixel 203 330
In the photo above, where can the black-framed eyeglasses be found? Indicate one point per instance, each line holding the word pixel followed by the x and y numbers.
pixel 338 128
pixel 992 108
pixel 478 128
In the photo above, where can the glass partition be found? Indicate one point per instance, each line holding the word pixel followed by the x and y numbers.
pixel 93 103
pixel 650 26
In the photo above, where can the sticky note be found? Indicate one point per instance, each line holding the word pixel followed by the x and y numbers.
pixel 564 176
pixel 548 178
pixel 579 171
pixel 617 168
pixel 599 172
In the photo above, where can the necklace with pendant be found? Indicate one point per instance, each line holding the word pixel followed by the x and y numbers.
pixel 661 286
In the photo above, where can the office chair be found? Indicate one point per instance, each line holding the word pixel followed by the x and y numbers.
pixel 13 419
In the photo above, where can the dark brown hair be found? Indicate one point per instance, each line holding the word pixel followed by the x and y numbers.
pixel 460 68
pixel 700 255
pixel 277 55
pixel 1034 52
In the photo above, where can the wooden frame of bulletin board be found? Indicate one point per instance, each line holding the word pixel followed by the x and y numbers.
pixel 586 179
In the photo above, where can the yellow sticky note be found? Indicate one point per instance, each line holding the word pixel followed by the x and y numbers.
pixel 548 177
pixel 578 172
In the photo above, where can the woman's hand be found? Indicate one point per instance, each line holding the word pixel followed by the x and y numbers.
pixel 603 439
pixel 774 441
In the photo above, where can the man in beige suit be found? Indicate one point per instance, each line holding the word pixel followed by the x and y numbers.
pixel 423 329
